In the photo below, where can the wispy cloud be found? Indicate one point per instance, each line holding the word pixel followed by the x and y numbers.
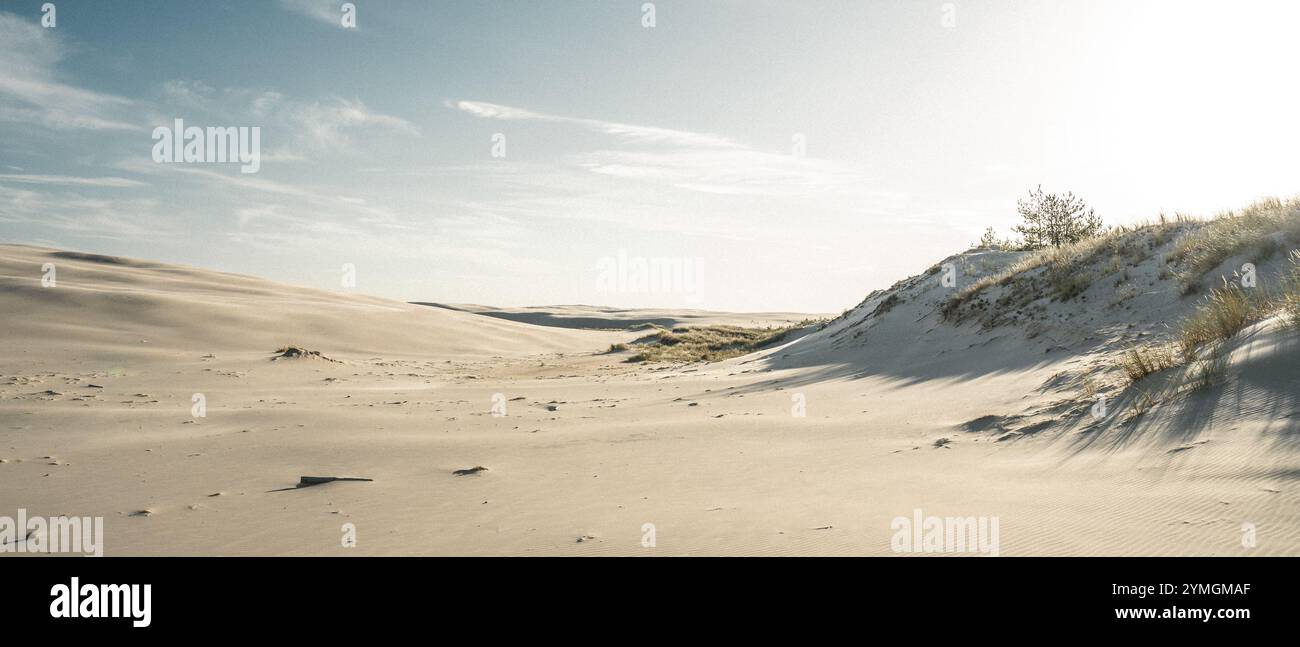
pixel 88 217
pixel 693 161
pixel 113 182
pixel 730 171
pixel 302 126
pixel 327 122
pixel 318 204
pixel 629 132
pixel 30 93
pixel 215 178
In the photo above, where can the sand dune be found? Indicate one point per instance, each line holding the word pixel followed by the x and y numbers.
pixel 487 436
pixel 117 303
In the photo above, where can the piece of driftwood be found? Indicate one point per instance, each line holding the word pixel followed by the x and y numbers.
pixel 308 481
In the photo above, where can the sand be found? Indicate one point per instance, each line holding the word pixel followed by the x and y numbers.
pixel 98 377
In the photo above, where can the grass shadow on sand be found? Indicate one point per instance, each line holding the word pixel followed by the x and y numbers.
pixel 1262 386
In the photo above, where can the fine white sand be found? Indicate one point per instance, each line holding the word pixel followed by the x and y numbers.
pixel 592 448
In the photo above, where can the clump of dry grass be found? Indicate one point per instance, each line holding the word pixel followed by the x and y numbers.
pixel 1066 284
pixel 1123 292
pixel 886 305
pixel 707 343
pixel 1209 371
pixel 1288 300
pixel 1140 361
pixel 1142 403
pixel 1224 313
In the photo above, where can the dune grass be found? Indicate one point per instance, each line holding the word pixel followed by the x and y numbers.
pixel 1209 371
pixel 1199 247
pixel 1256 232
pixel 1140 361
pixel 1063 273
pixel 1288 300
pixel 706 343
pixel 1223 314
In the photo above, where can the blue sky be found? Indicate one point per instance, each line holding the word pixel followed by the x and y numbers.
pixel 670 143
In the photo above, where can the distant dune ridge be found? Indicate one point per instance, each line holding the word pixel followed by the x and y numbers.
pixel 604 318
pixel 1134 394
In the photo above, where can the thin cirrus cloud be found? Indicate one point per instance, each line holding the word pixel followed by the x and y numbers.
pixel 326 122
pixel 121 219
pixel 110 182
pixel 30 93
pixel 629 132
pixel 693 161
pixel 319 125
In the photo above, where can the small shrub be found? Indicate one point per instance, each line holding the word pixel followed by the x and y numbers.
pixel 886 305
pixel 1052 220
pixel 989 240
